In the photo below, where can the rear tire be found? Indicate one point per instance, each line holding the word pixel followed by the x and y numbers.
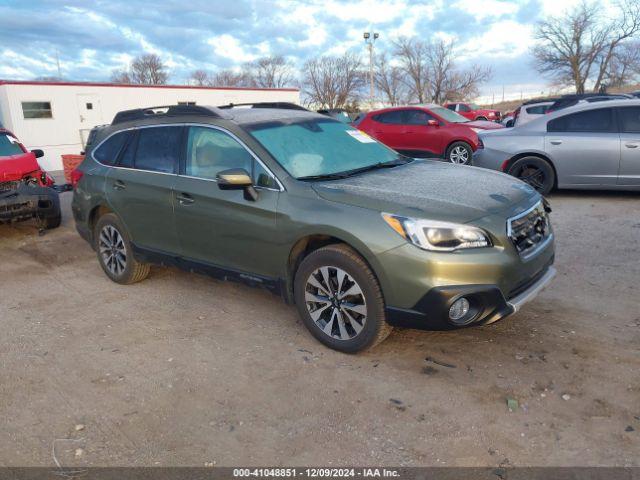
pixel 115 255
pixel 459 153
pixel 53 221
pixel 534 171
pixel 339 300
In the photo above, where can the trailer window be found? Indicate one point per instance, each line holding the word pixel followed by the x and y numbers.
pixel 36 110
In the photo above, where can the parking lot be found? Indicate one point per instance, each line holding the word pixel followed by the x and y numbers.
pixel 182 369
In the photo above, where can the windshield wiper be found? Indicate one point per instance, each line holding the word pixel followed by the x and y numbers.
pixel 401 160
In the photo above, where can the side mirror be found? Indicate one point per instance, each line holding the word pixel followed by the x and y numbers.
pixel 38 153
pixel 433 123
pixel 237 179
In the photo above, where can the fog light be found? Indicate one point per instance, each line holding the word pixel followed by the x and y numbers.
pixel 459 309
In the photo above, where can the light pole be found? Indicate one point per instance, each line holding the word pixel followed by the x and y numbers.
pixel 370 38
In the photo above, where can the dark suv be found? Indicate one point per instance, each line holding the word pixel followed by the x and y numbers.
pixel 359 237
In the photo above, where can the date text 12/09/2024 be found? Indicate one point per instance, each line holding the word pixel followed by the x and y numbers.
pixel 315 472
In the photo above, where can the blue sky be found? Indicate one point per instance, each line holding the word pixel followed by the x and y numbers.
pixel 93 38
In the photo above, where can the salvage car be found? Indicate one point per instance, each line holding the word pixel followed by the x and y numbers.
pixel 473 111
pixel 587 146
pixel 425 131
pixel 357 236
pixel 26 191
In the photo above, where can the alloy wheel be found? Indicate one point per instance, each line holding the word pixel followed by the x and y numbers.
pixel 335 303
pixel 459 155
pixel 112 250
pixel 533 175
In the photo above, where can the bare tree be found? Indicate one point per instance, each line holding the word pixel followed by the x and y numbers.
pixel 579 45
pixel 620 29
pixel 431 73
pixel 332 82
pixel 270 72
pixel 231 78
pixel 624 67
pixel 120 76
pixel 199 78
pixel 390 81
pixel 147 69
pixel 412 55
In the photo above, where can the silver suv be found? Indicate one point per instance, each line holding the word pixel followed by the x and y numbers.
pixel 590 145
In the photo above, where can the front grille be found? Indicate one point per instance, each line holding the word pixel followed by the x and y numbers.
pixel 529 230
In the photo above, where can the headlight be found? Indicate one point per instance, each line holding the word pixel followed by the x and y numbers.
pixel 437 236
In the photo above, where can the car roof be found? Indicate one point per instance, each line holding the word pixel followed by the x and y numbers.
pixel 543 119
pixel 245 116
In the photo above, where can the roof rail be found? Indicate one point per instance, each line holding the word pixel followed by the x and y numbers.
pixel 283 105
pixel 167 110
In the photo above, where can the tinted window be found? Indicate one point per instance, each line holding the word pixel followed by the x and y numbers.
pixel 416 117
pixel 452 106
pixel 630 119
pixel 394 116
pixel 538 110
pixel 9 145
pixel 107 153
pixel 158 149
pixel 464 108
pixel 600 120
pixel 210 151
pixel 127 157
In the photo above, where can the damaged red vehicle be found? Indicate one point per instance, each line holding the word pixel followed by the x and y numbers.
pixel 26 191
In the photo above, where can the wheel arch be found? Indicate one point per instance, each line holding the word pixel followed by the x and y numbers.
pixel 507 165
pixel 309 243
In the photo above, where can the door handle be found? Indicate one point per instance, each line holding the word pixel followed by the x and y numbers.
pixel 119 185
pixel 185 199
pixel 631 145
pixel 556 142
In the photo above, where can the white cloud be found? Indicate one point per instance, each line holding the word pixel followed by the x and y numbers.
pixel 228 46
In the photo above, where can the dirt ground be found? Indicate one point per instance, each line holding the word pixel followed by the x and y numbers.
pixel 182 369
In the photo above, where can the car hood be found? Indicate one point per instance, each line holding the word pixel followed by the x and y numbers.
pixel 433 190
pixel 484 125
pixel 14 167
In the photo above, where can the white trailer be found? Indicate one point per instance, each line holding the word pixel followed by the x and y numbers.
pixel 57 116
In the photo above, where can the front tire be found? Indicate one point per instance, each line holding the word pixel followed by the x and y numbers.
pixel 459 153
pixel 339 300
pixel 115 255
pixel 535 171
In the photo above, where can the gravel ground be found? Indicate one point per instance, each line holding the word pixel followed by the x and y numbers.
pixel 184 370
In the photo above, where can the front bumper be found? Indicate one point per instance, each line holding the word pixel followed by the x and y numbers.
pixel 488 304
pixel 28 201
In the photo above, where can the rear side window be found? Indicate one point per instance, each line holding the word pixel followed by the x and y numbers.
pixel 629 119
pixel 9 145
pixel 538 110
pixel 416 117
pixel 393 117
pixel 158 149
pixel 107 153
pixel 452 107
pixel 600 120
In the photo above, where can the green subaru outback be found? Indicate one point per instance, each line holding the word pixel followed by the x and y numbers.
pixel 358 237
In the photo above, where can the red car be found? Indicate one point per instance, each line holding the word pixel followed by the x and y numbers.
pixel 26 191
pixel 473 111
pixel 424 131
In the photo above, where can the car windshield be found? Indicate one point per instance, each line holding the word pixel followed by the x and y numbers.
pixel 318 148
pixel 9 145
pixel 449 115
pixel 342 117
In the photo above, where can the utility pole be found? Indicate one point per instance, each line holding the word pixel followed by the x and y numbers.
pixel 370 38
